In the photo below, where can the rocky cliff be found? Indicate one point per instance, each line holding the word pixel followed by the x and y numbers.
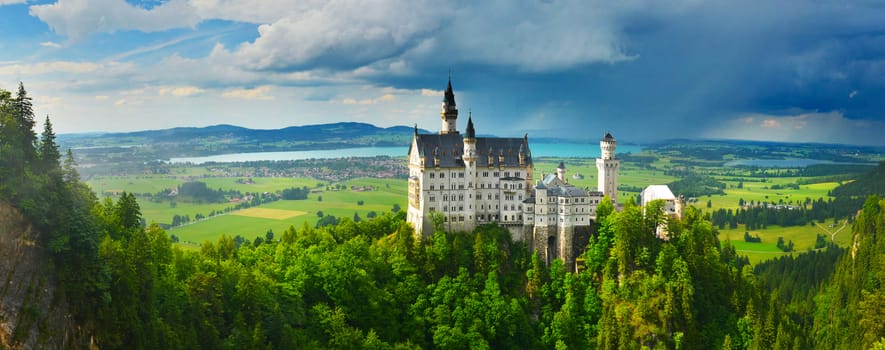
pixel 33 312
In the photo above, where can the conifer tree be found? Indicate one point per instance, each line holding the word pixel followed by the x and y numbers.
pixel 49 155
pixel 70 168
pixel 23 113
pixel 128 213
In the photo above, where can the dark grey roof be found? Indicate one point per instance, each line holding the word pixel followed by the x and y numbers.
pixel 552 180
pixel 566 191
pixel 561 165
pixel 608 137
pixel 450 149
pixel 471 132
pixel 449 98
pixel 556 187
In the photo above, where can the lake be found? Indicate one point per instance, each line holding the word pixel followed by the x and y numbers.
pixel 565 150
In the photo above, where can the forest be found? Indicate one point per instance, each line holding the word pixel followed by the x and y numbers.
pixel 373 284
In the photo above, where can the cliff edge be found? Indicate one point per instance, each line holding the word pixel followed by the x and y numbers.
pixel 33 310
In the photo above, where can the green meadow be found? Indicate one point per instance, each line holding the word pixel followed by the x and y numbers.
pixel 761 192
pixel 343 203
pixel 340 203
pixel 803 238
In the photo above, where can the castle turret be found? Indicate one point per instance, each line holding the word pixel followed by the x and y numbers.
pixel 449 112
pixel 560 171
pixel 470 144
pixel 607 145
pixel 679 206
pixel 469 157
pixel 607 167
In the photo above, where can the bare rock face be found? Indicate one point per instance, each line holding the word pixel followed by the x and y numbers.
pixel 33 312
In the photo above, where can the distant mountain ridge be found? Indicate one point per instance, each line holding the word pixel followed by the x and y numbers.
pixel 141 147
pixel 343 131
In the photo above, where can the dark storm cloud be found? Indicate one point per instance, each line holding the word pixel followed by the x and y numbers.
pixel 684 72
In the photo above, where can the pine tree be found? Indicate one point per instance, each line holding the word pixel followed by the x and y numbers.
pixel 23 113
pixel 129 214
pixel 70 168
pixel 49 155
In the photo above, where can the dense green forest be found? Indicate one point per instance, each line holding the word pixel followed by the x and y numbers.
pixel 372 284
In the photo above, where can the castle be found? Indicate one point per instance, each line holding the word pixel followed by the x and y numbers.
pixel 470 181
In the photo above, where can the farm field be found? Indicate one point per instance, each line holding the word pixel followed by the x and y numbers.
pixel 802 236
pixel 163 211
pixel 256 221
pixel 757 192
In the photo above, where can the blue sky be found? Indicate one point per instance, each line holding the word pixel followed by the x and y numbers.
pixel 801 71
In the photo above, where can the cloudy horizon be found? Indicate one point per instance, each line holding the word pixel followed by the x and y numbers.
pixel 803 71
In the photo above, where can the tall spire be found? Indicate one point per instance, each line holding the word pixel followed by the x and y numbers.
pixel 471 132
pixel 449 113
pixel 450 93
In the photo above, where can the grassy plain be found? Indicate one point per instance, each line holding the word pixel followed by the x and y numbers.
pixel 343 203
pixel 803 238
pixel 267 213
pixel 761 192
pixel 279 215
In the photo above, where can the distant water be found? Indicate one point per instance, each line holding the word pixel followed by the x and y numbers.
pixel 296 155
pixel 781 163
pixel 567 150
pixel 576 150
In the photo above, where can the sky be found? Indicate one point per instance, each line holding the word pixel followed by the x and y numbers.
pixel 794 71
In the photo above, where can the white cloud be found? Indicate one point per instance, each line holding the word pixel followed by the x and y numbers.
pixel 258 93
pixel 10 2
pixel 390 36
pixel 369 101
pixel 49 101
pixel 251 11
pixel 49 67
pixel 50 44
pixel 771 124
pixel 342 34
pixel 77 19
pixel 180 91
pixel 429 92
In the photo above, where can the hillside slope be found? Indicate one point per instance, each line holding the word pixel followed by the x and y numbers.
pixel 867 184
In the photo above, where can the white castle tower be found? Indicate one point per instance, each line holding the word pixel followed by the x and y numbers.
pixel 560 172
pixel 607 167
pixel 448 112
